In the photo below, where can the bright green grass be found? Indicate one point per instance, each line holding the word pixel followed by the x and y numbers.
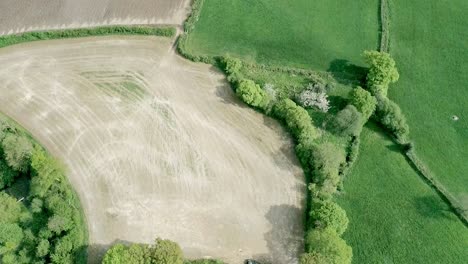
pixel 394 216
pixel 301 33
pixel 430 45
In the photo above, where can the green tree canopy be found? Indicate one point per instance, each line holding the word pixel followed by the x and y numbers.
pixel 252 94
pixel 328 214
pixel 382 71
pixel 327 242
pixel 363 101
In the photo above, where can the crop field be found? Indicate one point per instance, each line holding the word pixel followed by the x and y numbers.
pixel 158 146
pixel 321 34
pixel 22 15
pixel 394 216
pixel 431 55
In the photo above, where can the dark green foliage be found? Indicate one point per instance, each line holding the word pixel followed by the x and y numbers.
pixel 327 242
pixel 50 228
pixel 328 214
pixel 252 94
pixel 348 122
pixel 364 102
pixel 390 116
pixel 7 174
pixel 382 71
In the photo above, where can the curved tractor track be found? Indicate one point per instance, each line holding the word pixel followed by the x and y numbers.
pixel 158 146
pixel 32 15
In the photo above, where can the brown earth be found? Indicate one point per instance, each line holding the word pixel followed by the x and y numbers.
pixel 158 146
pixel 32 15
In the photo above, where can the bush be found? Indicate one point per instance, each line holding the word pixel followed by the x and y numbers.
pixel 252 94
pixel 167 252
pixel 297 120
pixel 390 116
pixel 364 102
pixel 328 214
pixel 382 71
pixel 327 242
pixel 314 258
pixel 315 96
pixel 348 122
pixel 324 162
pixel 163 252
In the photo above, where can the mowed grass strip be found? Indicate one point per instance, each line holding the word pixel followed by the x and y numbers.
pixel 429 42
pixel 319 34
pixel 394 216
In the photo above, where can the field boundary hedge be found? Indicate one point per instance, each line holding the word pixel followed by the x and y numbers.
pixel 164 31
pixel 385 26
pixel 426 174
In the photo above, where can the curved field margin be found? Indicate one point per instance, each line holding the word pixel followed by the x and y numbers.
pixel 22 15
pixel 158 146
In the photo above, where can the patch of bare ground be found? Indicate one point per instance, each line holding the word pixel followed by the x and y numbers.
pixel 158 146
pixel 26 15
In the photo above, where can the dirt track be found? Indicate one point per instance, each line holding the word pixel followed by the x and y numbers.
pixel 30 15
pixel 158 146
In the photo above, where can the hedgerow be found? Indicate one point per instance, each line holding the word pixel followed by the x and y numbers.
pixel 86 32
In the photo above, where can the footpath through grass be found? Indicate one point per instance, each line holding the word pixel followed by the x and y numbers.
pixel 319 34
pixel 394 216
pixel 429 42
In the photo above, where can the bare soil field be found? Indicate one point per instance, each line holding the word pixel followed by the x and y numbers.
pixel 25 15
pixel 158 146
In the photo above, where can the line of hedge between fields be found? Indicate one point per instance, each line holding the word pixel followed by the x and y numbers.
pixel 8 40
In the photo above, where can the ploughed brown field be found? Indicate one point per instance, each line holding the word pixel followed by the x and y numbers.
pixel 158 146
pixel 29 15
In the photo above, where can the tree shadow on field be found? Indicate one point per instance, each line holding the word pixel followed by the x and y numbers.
pixel 432 207
pixel 347 73
pixel 285 239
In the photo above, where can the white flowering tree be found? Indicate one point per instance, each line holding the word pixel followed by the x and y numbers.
pixel 315 96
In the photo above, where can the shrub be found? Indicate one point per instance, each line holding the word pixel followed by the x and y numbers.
pixel 315 96
pixel 324 161
pixel 364 102
pixel 252 94
pixel 348 122
pixel 167 252
pixel 314 258
pixel 382 71
pixel 328 214
pixel 390 116
pixel 232 67
pixel 297 120
pixel 326 242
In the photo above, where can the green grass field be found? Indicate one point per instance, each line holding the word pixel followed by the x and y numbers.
pixel 430 45
pixel 320 34
pixel 394 216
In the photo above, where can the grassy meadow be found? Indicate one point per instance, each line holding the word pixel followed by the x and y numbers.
pixel 430 45
pixel 394 216
pixel 320 34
